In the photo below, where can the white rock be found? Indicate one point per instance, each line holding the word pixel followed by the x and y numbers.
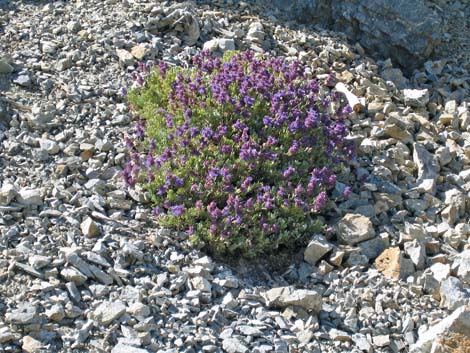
pixel 288 296
pixel 29 197
pixel 354 228
pixel 417 253
pixel 202 284
pixel 107 312
pixel 6 335
pixel 463 263
pixel 416 97
pixel 125 58
pixel 458 321
pixel 49 146
pixel 56 312
pixel 233 345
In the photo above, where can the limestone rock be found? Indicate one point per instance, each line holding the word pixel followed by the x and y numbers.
pixel 316 249
pixel 463 263
pixel 288 296
pixel 7 194
pixel 124 348
pixel 417 253
pixel 89 228
pixel 23 315
pixel 456 323
pixel 393 264
pixel 29 197
pixel 31 345
pixel 125 58
pixel 354 228
pixel 416 97
pixel 233 345
pixel 107 312
pixel 453 294
pixel 427 169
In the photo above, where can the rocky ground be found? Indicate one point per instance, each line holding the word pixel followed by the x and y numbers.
pixel 84 269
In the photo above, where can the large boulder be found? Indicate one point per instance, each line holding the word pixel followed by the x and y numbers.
pixel 407 31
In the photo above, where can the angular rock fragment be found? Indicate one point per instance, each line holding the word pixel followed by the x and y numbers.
pixel 462 263
pixel 354 228
pixel 23 315
pixel 288 296
pixel 125 58
pixel 29 197
pixel 89 228
pixel 456 323
pixel 393 264
pixel 7 194
pixel 107 312
pixel 124 348
pixel 31 345
pixel 416 97
pixel 427 169
pixel 316 249
pixel 454 294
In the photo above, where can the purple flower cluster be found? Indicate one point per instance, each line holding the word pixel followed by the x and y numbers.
pixel 238 151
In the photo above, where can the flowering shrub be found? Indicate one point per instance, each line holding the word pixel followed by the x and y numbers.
pixel 239 152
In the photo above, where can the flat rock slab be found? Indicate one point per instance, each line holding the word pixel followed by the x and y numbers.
pixel 288 296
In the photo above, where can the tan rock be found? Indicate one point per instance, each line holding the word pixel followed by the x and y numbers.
pixel 31 345
pixel 139 52
pixel 393 264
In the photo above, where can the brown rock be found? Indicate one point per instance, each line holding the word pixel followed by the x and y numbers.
pixel 393 264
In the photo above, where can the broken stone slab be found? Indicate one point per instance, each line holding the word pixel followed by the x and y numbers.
pixel 453 294
pixel 427 169
pixel 89 228
pixel 374 247
pixel 418 98
pixel 31 345
pixel 107 312
pixel 456 323
pixel 125 58
pixel 24 314
pixel 283 297
pixel 7 193
pixel 6 335
pixel 316 249
pixel 393 264
pixel 29 197
pixel 354 228
pixel 462 263
pixel 417 253
pixel 233 345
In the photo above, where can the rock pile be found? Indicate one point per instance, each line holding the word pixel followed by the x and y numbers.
pixel 82 266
